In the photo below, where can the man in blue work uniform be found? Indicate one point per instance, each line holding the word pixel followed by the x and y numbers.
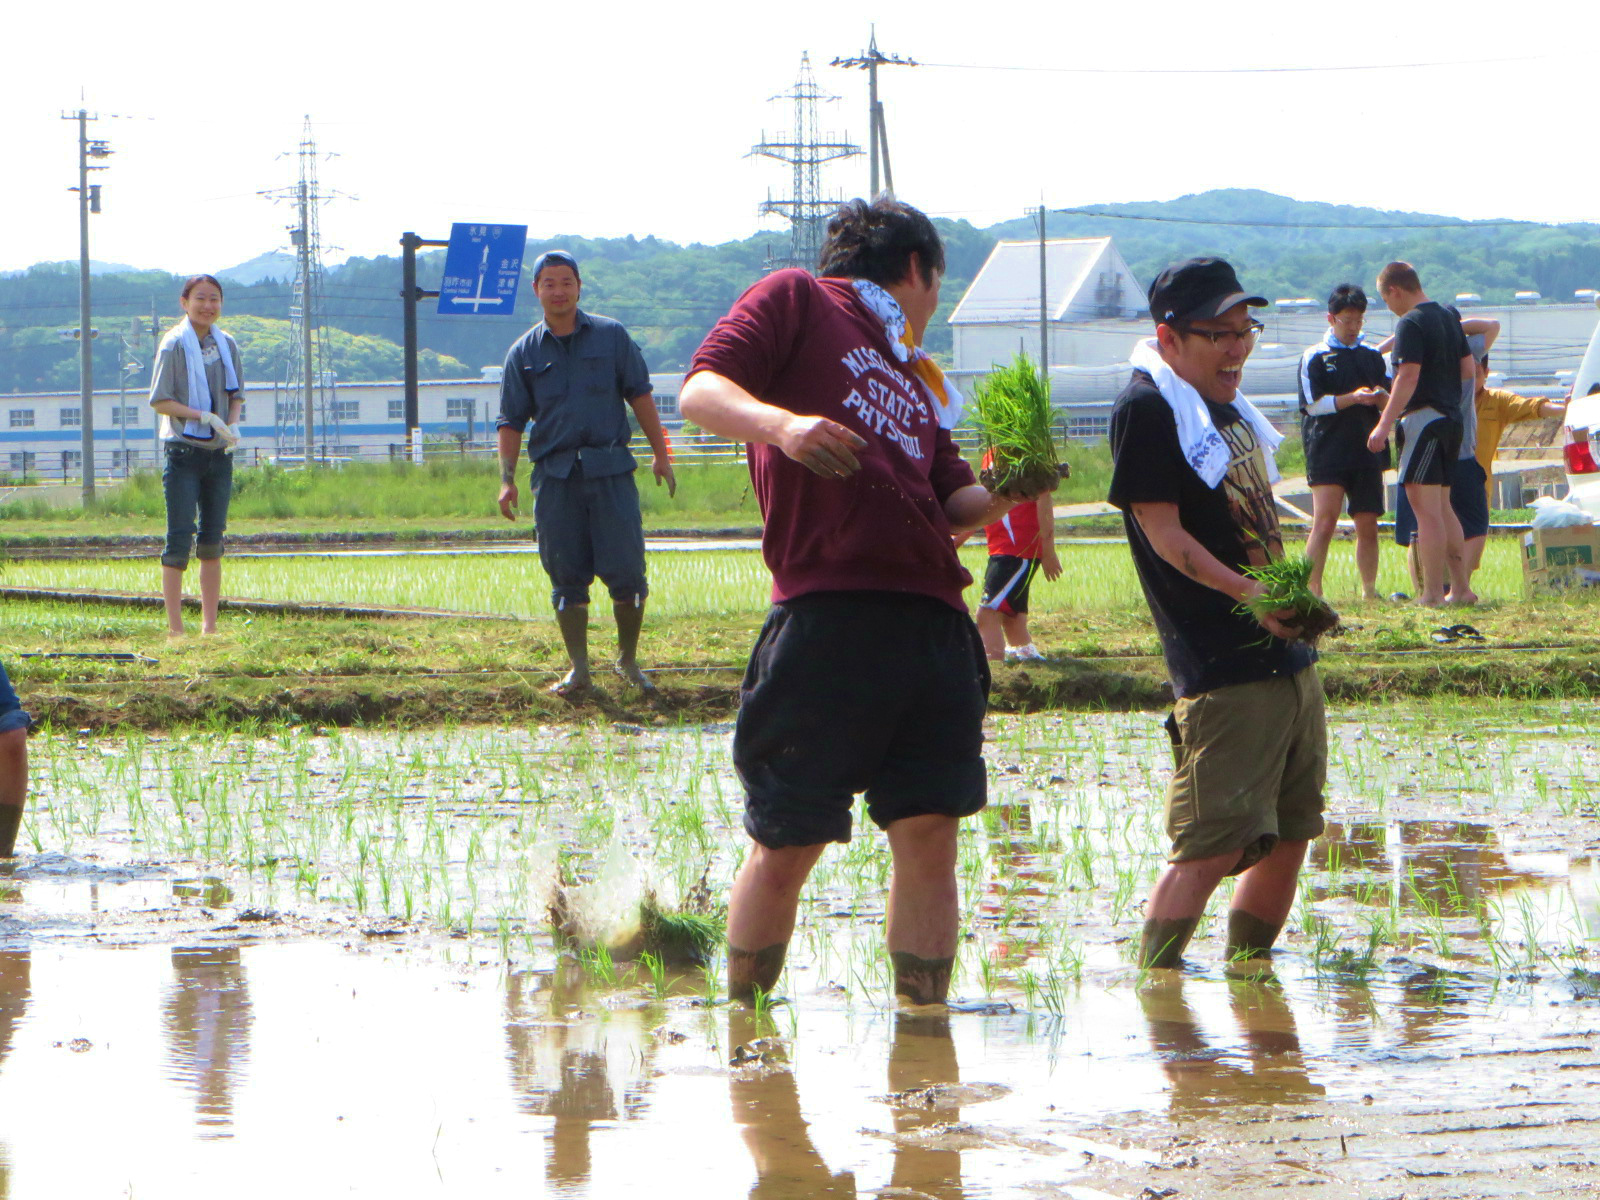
pixel 570 376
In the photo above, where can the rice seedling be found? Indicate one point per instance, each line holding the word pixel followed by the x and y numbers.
pixel 1011 408
pixel 1287 583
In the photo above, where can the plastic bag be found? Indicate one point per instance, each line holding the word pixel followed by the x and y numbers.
pixel 1550 513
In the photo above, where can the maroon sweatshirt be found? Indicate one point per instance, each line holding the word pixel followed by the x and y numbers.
pixel 812 347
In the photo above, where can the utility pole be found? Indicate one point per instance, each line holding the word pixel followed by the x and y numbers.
pixel 126 366
pixel 155 351
pixel 410 243
pixel 1044 305
pixel 870 60
pixel 88 201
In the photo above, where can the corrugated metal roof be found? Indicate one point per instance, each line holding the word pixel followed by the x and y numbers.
pixel 1007 288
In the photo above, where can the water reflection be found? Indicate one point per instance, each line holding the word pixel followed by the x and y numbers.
pixel 1451 863
pixel 15 972
pixel 1264 1066
pixel 923 1074
pixel 207 1018
pixel 766 1107
pixel 923 1078
pixel 562 1063
pixel 1448 870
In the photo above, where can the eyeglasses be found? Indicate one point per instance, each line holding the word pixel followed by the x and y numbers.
pixel 1228 339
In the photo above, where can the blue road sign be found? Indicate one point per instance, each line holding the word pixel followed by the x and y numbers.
pixel 482 268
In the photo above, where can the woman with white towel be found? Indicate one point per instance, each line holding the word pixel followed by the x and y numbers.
pixel 196 388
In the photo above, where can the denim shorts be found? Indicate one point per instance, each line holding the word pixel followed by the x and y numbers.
pixel 12 715
pixel 197 483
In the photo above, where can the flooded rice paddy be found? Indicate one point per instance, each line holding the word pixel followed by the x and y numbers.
pixel 243 963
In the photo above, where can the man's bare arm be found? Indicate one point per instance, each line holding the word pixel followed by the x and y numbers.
pixel 975 506
pixel 1180 550
pixel 1487 326
pixel 509 439
pixel 1405 383
pixel 644 410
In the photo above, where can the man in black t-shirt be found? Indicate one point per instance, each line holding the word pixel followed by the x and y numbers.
pixel 1191 472
pixel 1432 364
pixel 1343 384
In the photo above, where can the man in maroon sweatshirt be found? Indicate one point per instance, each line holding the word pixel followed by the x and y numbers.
pixel 868 676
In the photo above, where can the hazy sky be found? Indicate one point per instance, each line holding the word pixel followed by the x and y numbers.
pixel 609 119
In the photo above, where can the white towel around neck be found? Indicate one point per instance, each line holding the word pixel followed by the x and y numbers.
pixel 194 361
pixel 1203 447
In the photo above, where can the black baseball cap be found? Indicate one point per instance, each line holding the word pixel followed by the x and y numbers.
pixel 560 258
pixel 1197 289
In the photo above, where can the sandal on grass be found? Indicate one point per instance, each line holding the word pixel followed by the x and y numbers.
pixel 1466 631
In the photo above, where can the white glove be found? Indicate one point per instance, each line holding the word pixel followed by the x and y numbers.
pixel 223 430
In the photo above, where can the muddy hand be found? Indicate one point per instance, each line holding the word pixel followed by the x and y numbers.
pixel 822 446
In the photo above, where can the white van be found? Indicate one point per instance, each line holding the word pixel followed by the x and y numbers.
pixel 1583 432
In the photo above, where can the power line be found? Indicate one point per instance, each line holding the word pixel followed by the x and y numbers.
pixel 1312 70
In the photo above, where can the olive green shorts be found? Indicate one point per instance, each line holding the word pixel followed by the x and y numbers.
pixel 1251 764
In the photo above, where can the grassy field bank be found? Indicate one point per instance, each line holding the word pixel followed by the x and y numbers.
pixel 445 495
pixel 704 613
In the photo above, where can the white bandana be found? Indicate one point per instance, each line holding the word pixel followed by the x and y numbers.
pixel 947 400
pixel 1202 445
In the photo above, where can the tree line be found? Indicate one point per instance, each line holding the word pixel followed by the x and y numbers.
pixel 669 295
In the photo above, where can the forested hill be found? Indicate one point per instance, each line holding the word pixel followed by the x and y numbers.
pixel 670 294
pixel 1285 247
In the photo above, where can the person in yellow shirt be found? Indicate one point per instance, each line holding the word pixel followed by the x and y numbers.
pixel 1496 409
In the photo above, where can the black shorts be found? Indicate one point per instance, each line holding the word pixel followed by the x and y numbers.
pixel 1467 496
pixel 1006 581
pixel 1363 488
pixel 850 692
pixel 1428 441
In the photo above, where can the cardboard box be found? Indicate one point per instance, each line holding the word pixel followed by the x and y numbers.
pixel 1561 558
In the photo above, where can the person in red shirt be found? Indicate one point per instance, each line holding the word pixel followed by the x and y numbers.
pixel 1021 543
pixel 868 675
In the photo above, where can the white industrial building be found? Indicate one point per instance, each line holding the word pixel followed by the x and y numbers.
pixel 1098 310
pixel 41 433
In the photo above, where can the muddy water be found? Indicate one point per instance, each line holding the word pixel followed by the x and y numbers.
pixel 199 972
pixel 236 1070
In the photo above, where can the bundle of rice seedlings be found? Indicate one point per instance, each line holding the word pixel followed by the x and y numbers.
pixel 682 937
pixel 1011 408
pixel 679 937
pixel 1288 586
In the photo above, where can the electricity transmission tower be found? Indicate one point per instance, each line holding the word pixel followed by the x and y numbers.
pixel 806 151
pixel 303 409
pixel 869 61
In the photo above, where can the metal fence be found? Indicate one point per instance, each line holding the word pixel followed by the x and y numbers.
pixel 27 467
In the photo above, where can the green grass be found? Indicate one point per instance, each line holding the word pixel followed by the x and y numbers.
pixel 1096 578
pixel 442 490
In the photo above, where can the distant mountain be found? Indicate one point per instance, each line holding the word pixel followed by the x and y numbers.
pixel 273 265
pixel 96 267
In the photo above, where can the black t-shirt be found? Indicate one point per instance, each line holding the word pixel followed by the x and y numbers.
pixel 1430 335
pixel 1207 642
pixel 1336 441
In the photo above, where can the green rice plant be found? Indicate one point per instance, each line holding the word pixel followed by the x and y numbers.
pixel 1287 581
pixel 1011 408
pixel 679 937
